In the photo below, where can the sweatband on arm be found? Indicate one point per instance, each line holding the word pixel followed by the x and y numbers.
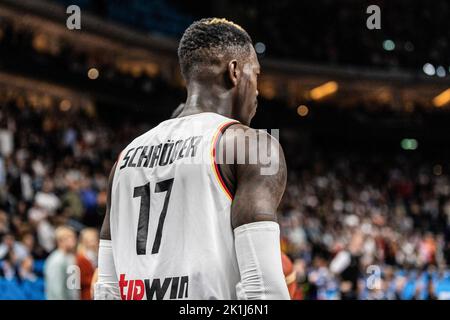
pixel 258 254
pixel 107 286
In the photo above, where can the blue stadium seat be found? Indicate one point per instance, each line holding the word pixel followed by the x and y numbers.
pixel 34 290
pixel 443 288
pixel 38 267
pixel 409 290
pixel 12 289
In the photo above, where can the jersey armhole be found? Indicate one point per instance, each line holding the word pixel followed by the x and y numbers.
pixel 215 167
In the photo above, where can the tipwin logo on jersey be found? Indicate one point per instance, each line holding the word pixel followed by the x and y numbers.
pixel 136 289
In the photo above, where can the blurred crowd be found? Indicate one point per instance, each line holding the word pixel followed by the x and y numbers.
pixel 355 228
pixel 54 165
pixel 351 223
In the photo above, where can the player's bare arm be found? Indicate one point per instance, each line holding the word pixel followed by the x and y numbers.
pixel 256 196
pixel 254 209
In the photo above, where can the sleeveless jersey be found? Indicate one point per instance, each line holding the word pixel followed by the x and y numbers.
pixel 170 214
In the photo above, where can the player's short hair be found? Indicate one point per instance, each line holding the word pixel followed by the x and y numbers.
pixel 207 41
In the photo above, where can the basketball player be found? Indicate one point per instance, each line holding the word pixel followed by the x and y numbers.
pixel 177 228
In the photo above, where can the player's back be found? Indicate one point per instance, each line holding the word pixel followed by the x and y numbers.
pixel 170 214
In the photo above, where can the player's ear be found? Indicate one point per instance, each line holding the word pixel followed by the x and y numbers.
pixel 233 72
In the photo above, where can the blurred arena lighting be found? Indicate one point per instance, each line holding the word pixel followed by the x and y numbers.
pixel 437 170
pixel 384 95
pixel 440 72
pixel 409 106
pixel 40 42
pixel 429 69
pixel 93 73
pixel 267 89
pixel 409 144
pixel 324 90
pixel 302 110
pixel 388 45
pixel 136 68
pixel 136 71
pixel 442 99
pixel 65 105
pixel 409 46
pixel 260 47
pixel 152 69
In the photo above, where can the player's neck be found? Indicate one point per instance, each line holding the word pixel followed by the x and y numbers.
pixel 207 98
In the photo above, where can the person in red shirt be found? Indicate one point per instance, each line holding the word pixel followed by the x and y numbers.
pixel 290 276
pixel 87 260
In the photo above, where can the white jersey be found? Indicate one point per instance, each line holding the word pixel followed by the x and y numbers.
pixel 170 214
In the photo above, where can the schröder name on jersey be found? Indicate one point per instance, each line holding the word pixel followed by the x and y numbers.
pixel 161 154
pixel 154 289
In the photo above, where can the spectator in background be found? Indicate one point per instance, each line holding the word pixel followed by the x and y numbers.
pixel 71 199
pixel 319 278
pixel 289 275
pixel 56 267
pixel 87 260
pixel 430 290
pixel 13 253
pixel 9 269
pixel 39 218
pixel 12 247
pixel 346 264
pixel 35 250
pixel 26 270
pixel 46 199
pixel 88 196
pixel 3 223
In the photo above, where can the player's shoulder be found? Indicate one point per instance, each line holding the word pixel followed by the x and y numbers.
pixel 241 132
pixel 252 149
